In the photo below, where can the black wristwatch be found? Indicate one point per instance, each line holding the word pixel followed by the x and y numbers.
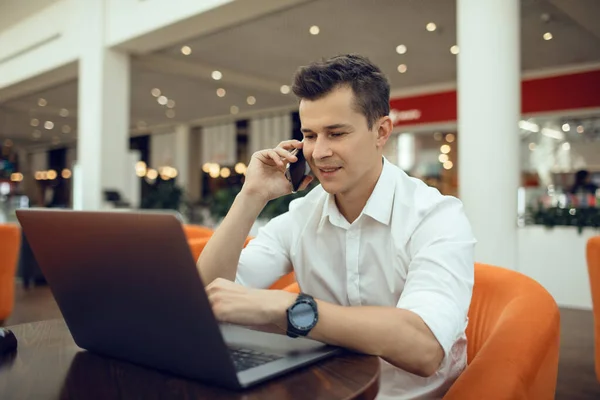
pixel 302 316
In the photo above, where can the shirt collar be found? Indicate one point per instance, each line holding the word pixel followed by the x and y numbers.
pixel 380 203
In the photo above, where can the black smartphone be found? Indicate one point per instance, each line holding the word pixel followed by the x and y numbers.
pixel 297 171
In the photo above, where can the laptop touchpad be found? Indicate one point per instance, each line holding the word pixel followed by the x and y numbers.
pixel 239 336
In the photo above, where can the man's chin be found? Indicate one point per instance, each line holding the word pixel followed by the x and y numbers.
pixel 330 188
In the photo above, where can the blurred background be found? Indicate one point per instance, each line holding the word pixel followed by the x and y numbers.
pixel 155 105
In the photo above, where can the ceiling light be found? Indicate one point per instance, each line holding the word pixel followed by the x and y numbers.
pixel 170 113
pixel 162 100
pixel 454 49
pixel 548 36
pixel 401 49
pixel 37 134
pixel 431 27
pixel 234 109
pixel 402 68
pixel 251 100
pixel 214 171
pixel 186 50
pixel 580 129
pixel 216 75
pixel 155 92
pixel 51 174
pixel 448 165
pixel 566 127
pixel 443 158
pixel 450 138
pixel 240 168
pixel 66 129
pixel 285 89
pixel 529 126
pixel 48 125
pixel 225 172
pixel 221 92
pixel 66 173
pixel 42 102
pixel 437 136
pixel 16 177
pixel 445 149
pixel 532 146
pixel 553 133
pixel 152 174
pixel 314 30
pixel 63 112
pixel 35 122
pixel 566 146
pixel 171 103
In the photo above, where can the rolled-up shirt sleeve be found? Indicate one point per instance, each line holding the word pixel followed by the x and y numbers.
pixel 439 282
pixel 266 257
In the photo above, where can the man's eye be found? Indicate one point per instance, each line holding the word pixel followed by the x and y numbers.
pixel 338 134
pixel 309 137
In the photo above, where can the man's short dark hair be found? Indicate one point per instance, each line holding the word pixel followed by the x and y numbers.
pixel 370 86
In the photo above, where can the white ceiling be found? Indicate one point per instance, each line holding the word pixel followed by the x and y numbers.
pixel 14 11
pixel 257 57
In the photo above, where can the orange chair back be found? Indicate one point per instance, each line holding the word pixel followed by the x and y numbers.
pixel 196 231
pixel 593 262
pixel 513 339
pixel 197 244
pixel 10 241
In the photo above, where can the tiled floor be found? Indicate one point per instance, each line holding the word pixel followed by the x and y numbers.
pixel 576 377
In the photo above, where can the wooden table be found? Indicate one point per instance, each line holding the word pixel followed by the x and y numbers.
pixel 49 365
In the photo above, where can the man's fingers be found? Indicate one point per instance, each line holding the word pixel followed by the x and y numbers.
pixel 290 144
pixel 286 156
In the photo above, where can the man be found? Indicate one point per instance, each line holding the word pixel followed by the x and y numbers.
pixel 387 260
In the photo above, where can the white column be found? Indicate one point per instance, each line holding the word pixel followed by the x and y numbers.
pixel 181 160
pixel 489 107
pixel 194 187
pixel 103 107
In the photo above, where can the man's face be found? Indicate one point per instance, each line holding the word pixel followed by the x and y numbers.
pixel 338 145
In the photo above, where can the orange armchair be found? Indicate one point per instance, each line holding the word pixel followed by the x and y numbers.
pixel 197 244
pixel 513 338
pixel 196 231
pixel 10 240
pixel 593 262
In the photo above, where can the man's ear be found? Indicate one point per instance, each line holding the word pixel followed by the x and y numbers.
pixel 384 131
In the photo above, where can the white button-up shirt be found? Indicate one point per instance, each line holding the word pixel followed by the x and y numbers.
pixel 410 248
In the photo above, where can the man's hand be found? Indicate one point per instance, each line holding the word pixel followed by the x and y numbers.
pixel 265 176
pixel 236 304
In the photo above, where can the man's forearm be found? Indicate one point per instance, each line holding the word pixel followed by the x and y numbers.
pixel 398 336
pixel 220 257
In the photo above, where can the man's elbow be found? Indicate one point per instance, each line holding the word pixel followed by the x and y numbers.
pixel 431 360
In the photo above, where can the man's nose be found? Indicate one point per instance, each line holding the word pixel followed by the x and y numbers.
pixel 321 149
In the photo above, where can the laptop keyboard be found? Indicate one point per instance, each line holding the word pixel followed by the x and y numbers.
pixel 244 359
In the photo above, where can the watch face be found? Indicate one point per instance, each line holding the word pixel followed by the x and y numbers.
pixel 303 316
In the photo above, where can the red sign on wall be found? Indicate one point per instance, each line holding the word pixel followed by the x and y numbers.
pixel 564 92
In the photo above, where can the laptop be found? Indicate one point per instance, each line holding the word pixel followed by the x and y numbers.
pixel 128 288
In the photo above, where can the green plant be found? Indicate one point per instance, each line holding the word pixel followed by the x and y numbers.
pixel 221 201
pixel 162 194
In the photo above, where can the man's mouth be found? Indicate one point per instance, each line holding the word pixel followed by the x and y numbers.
pixel 328 170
